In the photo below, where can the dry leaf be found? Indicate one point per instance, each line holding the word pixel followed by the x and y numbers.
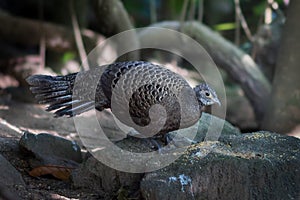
pixel 60 172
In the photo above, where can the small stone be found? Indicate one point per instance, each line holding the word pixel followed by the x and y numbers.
pixel 50 149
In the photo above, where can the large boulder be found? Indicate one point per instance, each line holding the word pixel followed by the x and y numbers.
pixel 259 165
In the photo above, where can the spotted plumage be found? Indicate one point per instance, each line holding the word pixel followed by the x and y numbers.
pixel 127 88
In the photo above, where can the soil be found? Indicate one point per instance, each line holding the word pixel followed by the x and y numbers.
pixel 15 117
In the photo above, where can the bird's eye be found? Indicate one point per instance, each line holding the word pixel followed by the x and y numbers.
pixel 207 94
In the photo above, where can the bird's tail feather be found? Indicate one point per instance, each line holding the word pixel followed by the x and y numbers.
pixel 57 92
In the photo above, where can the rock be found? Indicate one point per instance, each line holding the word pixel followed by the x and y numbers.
pixel 260 165
pixel 204 124
pixel 94 174
pixel 49 149
pixel 10 179
pixel 8 145
pixel 239 110
pixel 8 193
pixel 9 176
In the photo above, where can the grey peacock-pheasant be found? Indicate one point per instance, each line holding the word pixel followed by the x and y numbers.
pixel 127 88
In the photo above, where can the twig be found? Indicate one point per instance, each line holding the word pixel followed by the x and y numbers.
pixel 183 12
pixel 43 37
pixel 200 10
pixel 243 20
pixel 78 38
pixel 192 10
pixel 237 34
pixel 153 13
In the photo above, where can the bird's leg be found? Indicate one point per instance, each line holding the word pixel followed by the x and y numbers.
pixel 167 138
pixel 177 141
pixel 155 144
pixel 152 143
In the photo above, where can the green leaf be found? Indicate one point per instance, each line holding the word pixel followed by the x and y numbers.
pixel 225 26
pixel 68 56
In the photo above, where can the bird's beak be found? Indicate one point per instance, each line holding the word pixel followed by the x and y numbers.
pixel 217 101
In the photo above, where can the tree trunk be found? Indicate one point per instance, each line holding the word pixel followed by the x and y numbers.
pixel 113 19
pixel 283 113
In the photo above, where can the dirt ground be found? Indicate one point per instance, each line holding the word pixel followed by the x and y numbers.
pixel 16 117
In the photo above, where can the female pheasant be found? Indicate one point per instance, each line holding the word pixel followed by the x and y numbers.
pixel 130 89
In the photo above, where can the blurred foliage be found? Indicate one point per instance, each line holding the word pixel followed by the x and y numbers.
pixel 53 11
pixel 260 7
pixel 220 15
pixel 67 56
pixel 225 26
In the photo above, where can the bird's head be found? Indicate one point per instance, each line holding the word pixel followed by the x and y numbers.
pixel 206 95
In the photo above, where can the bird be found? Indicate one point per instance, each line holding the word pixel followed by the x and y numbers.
pixel 131 90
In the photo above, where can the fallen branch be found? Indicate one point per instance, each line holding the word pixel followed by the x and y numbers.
pixel 27 32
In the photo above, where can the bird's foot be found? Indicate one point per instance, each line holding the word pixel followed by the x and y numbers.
pixel 153 144
pixel 167 143
pixel 173 142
